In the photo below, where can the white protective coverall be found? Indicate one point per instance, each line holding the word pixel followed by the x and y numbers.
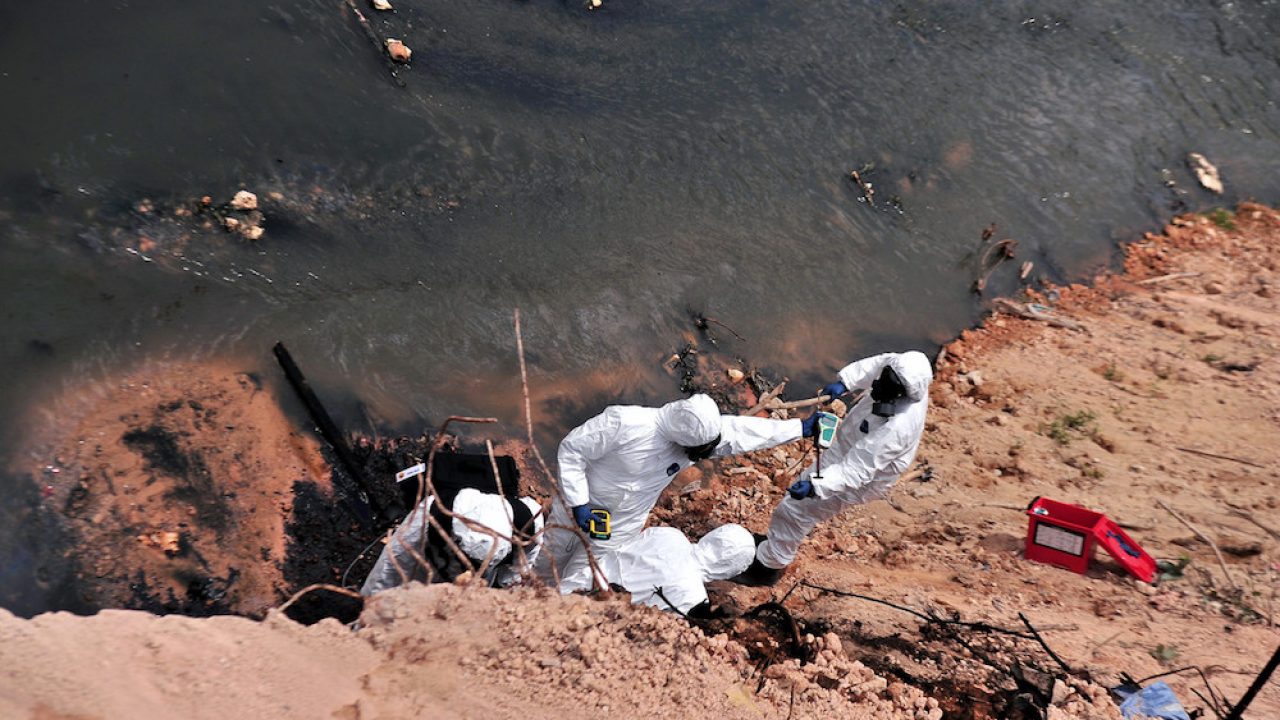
pixel 865 459
pixel 622 459
pixel 661 557
pixel 490 510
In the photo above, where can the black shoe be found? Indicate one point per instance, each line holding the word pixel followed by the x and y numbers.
pixel 758 575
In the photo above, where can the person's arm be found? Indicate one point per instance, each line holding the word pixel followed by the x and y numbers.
pixel 589 441
pixel 860 374
pixel 744 434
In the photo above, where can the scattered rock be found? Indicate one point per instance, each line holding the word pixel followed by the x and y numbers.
pixel 1214 288
pixel 1205 172
pixel 252 232
pixel 381 5
pixel 166 541
pixel 244 200
pixel 398 50
pixel 735 375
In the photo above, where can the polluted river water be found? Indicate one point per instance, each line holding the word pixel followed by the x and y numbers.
pixel 611 173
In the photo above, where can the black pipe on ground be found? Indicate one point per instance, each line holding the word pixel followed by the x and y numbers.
pixel 355 496
pixel 1237 712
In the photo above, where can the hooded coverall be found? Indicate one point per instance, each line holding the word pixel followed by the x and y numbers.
pixel 661 557
pixel 622 459
pixel 866 457
pixel 400 556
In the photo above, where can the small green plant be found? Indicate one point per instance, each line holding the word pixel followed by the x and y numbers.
pixel 1092 471
pixel 1222 217
pixel 1165 654
pixel 1061 430
pixel 1173 569
pixel 1079 420
pixel 1211 358
pixel 1111 373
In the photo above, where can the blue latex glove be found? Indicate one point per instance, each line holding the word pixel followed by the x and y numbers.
pixel 835 389
pixel 801 489
pixel 809 426
pixel 582 516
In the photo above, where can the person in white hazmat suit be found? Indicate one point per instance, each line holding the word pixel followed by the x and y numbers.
pixel 623 458
pixel 410 544
pixel 874 444
pixel 662 569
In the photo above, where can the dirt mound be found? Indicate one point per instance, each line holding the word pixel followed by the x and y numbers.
pixel 176 485
pixel 438 651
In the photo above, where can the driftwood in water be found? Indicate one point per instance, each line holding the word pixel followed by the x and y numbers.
pixel 377 42
pixel 1025 311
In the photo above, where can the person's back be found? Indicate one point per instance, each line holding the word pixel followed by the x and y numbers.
pixel 662 569
pixel 621 460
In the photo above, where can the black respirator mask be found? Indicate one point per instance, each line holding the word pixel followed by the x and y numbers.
pixel 703 451
pixel 886 391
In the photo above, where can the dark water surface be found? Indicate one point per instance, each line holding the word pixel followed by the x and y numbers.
pixel 606 172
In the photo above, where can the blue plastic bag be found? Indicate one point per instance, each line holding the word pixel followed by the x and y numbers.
pixel 1153 701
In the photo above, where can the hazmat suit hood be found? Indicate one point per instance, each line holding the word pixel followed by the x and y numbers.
pixel 724 552
pixel 914 371
pixel 690 422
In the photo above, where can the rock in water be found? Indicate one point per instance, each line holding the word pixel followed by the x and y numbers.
pixel 244 200
pixel 1205 172
pixel 381 5
pixel 398 51
pixel 252 232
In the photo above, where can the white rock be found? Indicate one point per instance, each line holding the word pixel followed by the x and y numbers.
pixel 1205 172
pixel 244 200
pixel 381 5
pixel 398 50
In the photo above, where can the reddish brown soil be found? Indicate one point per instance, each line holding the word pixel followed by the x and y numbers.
pixel 1102 417
pixel 176 485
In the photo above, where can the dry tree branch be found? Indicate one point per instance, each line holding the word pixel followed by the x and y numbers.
pixel 319 586
pixel 1242 513
pixel 426 486
pixel 1221 563
pixel 417 558
pixel 596 575
pixel 391 537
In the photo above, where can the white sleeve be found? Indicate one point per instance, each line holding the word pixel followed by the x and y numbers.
pixel 744 434
pixel 589 441
pixel 859 375
pixel 411 533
